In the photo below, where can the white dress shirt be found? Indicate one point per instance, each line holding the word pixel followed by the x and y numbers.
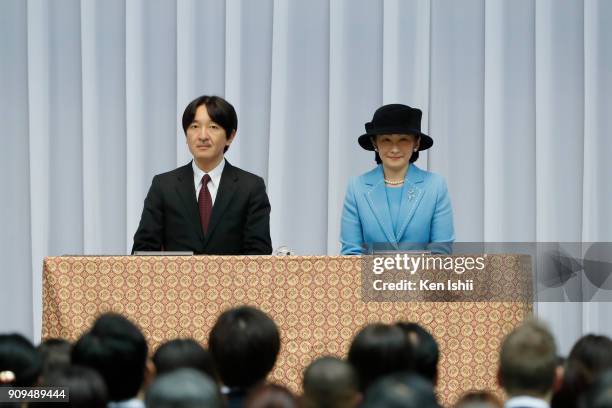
pixel 524 401
pixel 213 184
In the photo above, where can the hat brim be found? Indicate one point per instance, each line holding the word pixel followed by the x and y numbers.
pixel 365 140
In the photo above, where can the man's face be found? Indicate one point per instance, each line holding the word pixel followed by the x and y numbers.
pixel 207 139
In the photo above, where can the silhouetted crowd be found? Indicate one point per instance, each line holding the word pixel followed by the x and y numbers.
pixel 388 366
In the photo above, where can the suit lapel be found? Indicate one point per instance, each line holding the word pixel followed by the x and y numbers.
pixel 376 197
pixel 227 187
pixel 185 188
pixel 411 197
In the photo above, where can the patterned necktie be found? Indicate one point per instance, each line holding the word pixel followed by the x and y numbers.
pixel 205 203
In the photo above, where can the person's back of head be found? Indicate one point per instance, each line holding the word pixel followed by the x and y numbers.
pixel 183 388
pixel 478 399
pixel 116 349
pixel 330 383
pixel 270 396
pixel 528 361
pixel 600 393
pixel 244 343
pixel 55 354
pixel 183 353
pixel 85 386
pixel 401 390
pixel 425 350
pixel 379 349
pixel 19 361
pixel 589 357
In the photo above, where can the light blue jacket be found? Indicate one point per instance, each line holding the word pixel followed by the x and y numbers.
pixel 425 212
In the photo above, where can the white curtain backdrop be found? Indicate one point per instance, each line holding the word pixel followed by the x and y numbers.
pixel 516 95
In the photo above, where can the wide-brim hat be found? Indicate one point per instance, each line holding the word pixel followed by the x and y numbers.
pixel 395 119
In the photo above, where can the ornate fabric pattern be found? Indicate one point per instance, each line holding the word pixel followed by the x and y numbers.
pixel 315 300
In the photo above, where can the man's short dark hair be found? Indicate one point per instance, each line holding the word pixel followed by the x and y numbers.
pixel 599 394
pixel 589 357
pixel 183 388
pixel 330 383
pixel 244 343
pixel 219 110
pixel 270 396
pixel 379 349
pixel 183 353
pixel 117 349
pixel 55 354
pixel 405 390
pixel 17 354
pixel 528 360
pixel 425 351
pixel 86 387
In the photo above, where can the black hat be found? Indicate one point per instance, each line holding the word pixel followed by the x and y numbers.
pixel 395 118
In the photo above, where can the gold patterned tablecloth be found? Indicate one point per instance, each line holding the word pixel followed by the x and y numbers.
pixel 316 302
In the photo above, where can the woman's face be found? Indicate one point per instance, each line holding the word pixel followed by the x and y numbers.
pixel 395 150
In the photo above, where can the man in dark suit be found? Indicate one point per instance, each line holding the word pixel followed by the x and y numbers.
pixel 207 206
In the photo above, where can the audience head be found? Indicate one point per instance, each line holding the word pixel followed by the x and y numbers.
pixel 86 387
pixel 183 353
pixel 379 349
pixel 479 399
pixel 330 383
pixel 270 396
pixel 20 362
pixel 55 354
pixel 425 351
pixel 528 361
pixel 183 388
pixel 401 390
pixel 590 356
pixel 600 393
pixel 116 349
pixel 244 343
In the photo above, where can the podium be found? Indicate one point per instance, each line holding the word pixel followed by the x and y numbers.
pixel 316 302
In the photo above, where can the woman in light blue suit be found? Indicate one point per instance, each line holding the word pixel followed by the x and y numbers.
pixel 396 204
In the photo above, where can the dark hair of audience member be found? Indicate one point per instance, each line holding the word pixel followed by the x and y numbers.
pixel 19 357
pixel 115 348
pixel 330 383
pixel 379 349
pixel 425 351
pixel 85 386
pixel 183 388
pixel 244 343
pixel 590 356
pixel 183 353
pixel 528 361
pixel 270 396
pixel 479 399
pixel 55 354
pixel 400 390
pixel 599 394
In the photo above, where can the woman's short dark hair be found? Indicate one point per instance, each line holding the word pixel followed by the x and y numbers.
pixel 413 158
pixel 17 354
pixel 183 353
pixel 379 349
pixel 244 343
pixel 219 110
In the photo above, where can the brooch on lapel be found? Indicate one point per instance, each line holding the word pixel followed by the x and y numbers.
pixel 411 193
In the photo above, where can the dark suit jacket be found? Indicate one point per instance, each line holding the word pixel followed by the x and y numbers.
pixel 239 223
